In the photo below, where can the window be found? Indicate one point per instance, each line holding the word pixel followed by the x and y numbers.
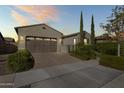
pixel 85 41
pixel 53 39
pixel 74 41
pixel 38 38
pixel 30 38
pixel 47 39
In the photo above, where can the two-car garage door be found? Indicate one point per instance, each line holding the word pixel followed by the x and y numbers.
pixel 41 44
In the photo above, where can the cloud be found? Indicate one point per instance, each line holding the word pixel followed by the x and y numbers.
pixel 38 13
pixel 20 19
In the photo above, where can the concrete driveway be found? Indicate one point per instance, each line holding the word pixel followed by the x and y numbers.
pixel 85 74
pixel 43 60
pixel 81 75
pixel 65 71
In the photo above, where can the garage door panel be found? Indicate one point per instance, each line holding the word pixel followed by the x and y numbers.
pixel 41 46
pixel 29 45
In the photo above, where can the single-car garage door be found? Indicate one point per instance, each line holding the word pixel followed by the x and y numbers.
pixel 41 44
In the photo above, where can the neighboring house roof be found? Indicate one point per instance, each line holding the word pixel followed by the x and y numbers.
pixel 5 39
pixel 9 39
pixel 16 28
pixel 1 37
pixel 74 34
pixel 105 37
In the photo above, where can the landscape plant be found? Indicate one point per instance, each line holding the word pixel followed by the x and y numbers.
pixel 92 31
pixel 20 61
pixel 112 61
pixel 82 33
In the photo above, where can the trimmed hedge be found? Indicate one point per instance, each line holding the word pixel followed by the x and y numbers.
pixel 108 48
pixel 20 61
pixel 122 49
pixel 112 61
pixel 7 48
pixel 84 52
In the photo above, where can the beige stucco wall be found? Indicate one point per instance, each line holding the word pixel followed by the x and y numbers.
pixel 70 40
pixel 38 31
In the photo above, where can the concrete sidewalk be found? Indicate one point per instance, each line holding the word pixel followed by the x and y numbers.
pixel 116 83
pixel 87 77
pixel 79 74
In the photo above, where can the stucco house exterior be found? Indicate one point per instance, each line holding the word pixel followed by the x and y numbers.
pixel 43 38
pixel 39 37
pixel 69 41
pixel 74 38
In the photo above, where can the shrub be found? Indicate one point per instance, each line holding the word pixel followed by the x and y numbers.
pixel 84 52
pixel 7 48
pixel 109 48
pixel 112 61
pixel 122 49
pixel 20 61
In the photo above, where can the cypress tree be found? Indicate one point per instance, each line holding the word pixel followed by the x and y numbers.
pixel 81 29
pixel 92 31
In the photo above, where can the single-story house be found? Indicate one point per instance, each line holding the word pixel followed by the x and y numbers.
pixel 74 38
pixel 43 38
pixel 39 37
pixel 69 41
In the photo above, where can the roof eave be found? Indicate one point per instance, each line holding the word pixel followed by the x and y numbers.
pixel 16 29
